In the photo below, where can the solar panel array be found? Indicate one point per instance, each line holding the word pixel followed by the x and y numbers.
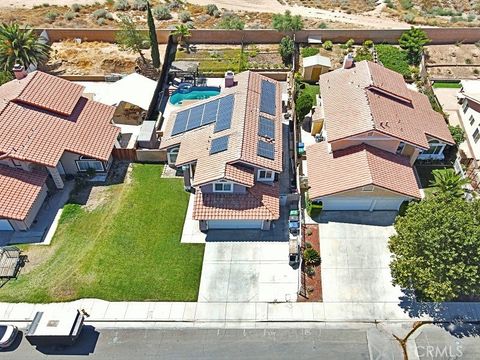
pixel 225 112
pixel 268 98
pixel 266 150
pixel 219 144
pixel 219 111
pixel 266 127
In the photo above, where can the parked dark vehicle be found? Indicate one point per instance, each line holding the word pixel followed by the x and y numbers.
pixel 8 334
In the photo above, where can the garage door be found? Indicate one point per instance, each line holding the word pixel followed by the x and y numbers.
pixel 5 225
pixel 234 224
pixel 365 204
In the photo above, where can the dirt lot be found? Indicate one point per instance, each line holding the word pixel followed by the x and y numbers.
pixel 453 61
pixel 89 58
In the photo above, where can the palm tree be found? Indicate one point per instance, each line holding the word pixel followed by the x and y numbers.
pixel 182 32
pixel 447 182
pixel 20 46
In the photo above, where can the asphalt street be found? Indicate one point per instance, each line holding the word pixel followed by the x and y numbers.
pixel 432 342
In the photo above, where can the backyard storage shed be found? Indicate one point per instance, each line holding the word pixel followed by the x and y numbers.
pixel 314 66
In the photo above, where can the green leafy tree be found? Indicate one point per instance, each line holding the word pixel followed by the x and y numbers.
pixel 436 249
pixel 5 76
pixel 413 41
pixel 20 46
pixel 129 38
pixel 311 256
pixel 286 49
pixel 447 182
pixel 457 133
pixel 287 22
pixel 231 22
pixel 153 37
pixel 182 32
pixel 303 105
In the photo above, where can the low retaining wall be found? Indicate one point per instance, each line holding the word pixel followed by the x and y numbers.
pixel 437 35
pixel 151 156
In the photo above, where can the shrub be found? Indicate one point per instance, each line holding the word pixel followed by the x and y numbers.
pixel 457 133
pixel 175 4
pixel 406 4
pixel 394 59
pixel 76 7
pixel 368 44
pixel 121 5
pixel 231 21
pixel 287 22
pixel 328 45
pixel 217 13
pixel 389 4
pixel 303 105
pixel 409 18
pixel 363 53
pixel 310 271
pixel 309 51
pixel 471 17
pixel 101 21
pixel 286 50
pixel 311 257
pixel 322 25
pixel 476 72
pixel 184 16
pixel 99 14
pixel 211 8
pixel 349 43
pixel 468 61
pixel 69 15
pixel 109 16
pixel 309 232
pixel 140 5
pixel 161 12
pixel 51 16
pixel 308 245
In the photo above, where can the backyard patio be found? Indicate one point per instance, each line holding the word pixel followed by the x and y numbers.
pixel 127 248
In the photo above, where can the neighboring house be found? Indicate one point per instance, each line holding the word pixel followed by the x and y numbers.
pixel 314 66
pixel 375 129
pixel 469 110
pixel 230 150
pixel 47 130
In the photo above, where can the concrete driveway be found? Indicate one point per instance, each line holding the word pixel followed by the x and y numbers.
pixel 355 256
pixel 247 272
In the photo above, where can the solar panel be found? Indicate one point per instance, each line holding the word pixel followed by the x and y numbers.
pixel 266 150
pixel 219 144
pixel 268 98
pixel 195 117
pixel 210 112
pixel 225 112
pixel 180 122
pixel 266 127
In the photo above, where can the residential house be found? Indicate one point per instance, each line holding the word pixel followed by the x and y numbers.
pixel 47 130
pixel 230 150
pixel 469 114
pixel 375 129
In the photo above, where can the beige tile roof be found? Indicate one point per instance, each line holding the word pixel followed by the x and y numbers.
pixel 240 174
pixel 243 138
pixel 71 123
pixel 357 166
pixel 369 96
pixel 19 190
pixel 259 202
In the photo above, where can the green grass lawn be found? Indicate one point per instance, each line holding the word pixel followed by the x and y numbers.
pixel 447 85
pixel 312 90
pixel 128 248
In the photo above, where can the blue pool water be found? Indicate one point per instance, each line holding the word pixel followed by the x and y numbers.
pixel 193 93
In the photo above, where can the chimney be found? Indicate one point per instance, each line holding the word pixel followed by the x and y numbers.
pixel 19 71
pixel 348 61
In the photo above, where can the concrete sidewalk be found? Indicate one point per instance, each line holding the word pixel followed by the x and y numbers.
pixel 221 312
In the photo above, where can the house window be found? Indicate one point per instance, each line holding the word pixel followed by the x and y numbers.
pixel 400 148
pixel 85 163
pixel 172 156
pixel 465 106
pixel 368 188
pixel 476 135
pixel 435 148
pixel 223 186
pixel 472 119
pixel 265 175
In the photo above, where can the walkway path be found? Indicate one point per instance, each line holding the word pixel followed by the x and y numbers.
pixel 248 313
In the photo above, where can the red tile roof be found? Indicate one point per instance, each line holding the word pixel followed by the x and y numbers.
pixel 357 166
pixel 57 119
pixel 19 190
pixel 259 202
pixel 369 96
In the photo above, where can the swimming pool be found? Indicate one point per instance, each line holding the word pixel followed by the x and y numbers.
pixel 193 93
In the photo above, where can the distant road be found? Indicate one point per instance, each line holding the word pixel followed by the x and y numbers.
pixel 369 20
